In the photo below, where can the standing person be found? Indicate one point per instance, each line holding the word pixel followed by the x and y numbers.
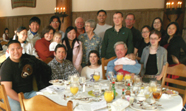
pixel 33 34
pixel 154 59
pixel 79 26
pixel 74 48
pixel 145 41
pixel 56 25
pixel 101 25
pixel 115 34
pixel 173 43
pixel 129 22
pixel 27 47
pixel 11 77
pixel 56 40
pixel 94 64
pixel 89 40
pixel 42 45
pixel 157 24
pixel 6 35
pixel 61 68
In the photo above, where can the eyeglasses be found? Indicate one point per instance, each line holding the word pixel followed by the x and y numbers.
pixel 156 22
pixel 145 32
pixel 55 22
pixel 154 38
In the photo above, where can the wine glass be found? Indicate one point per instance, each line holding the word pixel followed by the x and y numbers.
pixel 96 76
pixel 127 77
pixel 82 81
pixel 110 75
pixel 109 96
pixel 74 88
pixel 157 94
pixel 153 86
pixel 119 76
pixel 97 91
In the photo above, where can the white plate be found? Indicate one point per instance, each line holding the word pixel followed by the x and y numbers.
pixel 140 109
pixel 56 82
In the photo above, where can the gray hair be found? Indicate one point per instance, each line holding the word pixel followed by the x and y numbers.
pixel 92 23
pixel 120 43
pixel 78 18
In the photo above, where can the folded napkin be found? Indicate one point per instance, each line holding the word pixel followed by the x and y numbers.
pixel 99 105
pixel 119 105
pixel 124 61
pixel 51 90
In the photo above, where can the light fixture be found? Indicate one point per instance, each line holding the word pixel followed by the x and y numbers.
pixel 60 11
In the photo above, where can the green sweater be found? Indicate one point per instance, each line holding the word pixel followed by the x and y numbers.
pixel 111 37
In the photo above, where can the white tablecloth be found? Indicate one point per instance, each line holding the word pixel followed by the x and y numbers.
pixel 169 104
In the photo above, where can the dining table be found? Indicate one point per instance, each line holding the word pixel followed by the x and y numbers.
pixel 61 94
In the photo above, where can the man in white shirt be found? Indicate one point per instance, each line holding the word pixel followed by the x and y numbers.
pixel 56 24
pixel 101 25
pixel 33 35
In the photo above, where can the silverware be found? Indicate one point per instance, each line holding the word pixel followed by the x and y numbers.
pixel 76 105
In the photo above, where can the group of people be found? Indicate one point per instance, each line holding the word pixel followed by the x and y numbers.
pixel 79 50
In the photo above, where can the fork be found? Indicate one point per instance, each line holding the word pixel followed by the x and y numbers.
pixel 76 105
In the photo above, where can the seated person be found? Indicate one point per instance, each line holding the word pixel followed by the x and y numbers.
pixel 94 64
pixel 129 59
pixel 61 68
pixel 120 50
pixel 12 79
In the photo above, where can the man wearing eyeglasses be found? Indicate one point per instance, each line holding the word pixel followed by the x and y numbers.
pixel 129 23
pixel 56 24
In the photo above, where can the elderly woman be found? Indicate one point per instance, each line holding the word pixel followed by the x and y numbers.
pixel 42 45
pixel 154 59
pixel 90 41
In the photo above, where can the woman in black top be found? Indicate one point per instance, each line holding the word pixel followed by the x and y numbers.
pixel 145 41
pixel 173 43
pixel 157 24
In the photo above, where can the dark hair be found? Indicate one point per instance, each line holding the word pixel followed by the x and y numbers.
pixel 156 32
pixel 177 27
pixel 119 13
pixel 130 14
pixel 19 29
pixel 35 19
pixel 5 29
pixel 161 24
pixel 95 52
pixel 46 30
pixel 146 26
pixel 13 41
pixel 101 11
pixel 66 37
pixel 59 46
pixel 53 17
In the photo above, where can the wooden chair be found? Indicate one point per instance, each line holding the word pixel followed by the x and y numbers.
pixel 3 96
pixel 42 103
pixel 104 65
pixel 178 70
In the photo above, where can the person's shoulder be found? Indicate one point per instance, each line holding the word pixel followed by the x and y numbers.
pixel 109 29
pixel 162 49
pixel 67 61
pixel 112 61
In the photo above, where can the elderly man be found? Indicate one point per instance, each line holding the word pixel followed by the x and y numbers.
pixel 115 34
pixel 56 25
pixel 79 25
pixel 101 25
pixel 120 50
pixel 61 68
pixel 12 77
pixel 129 22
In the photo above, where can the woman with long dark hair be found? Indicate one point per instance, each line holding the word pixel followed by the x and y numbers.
pixel 94 64
pixel 74 48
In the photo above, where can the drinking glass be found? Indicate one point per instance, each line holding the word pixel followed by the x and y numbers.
pixel 127 77
pixel 97 91
pixel 74 88
pixel 157 94
pixel 119 76
pixel 82 81
pixel 96 76
pixel 110 76
pixel 109 96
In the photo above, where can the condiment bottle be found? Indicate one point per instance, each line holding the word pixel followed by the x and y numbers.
pixel 123 94
pixel 113 89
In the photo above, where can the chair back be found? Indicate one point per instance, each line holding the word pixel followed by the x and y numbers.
pixel 104 65
pixel 42 103
pixel 177 70
pixel 3 96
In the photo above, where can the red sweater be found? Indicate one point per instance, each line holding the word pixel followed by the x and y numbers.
pixel 42 48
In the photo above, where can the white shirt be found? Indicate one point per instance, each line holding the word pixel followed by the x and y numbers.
pixel 4 37
pixel 52 46
pixel 87 72
pixel 27 48
pixel 32 38
pixel 100 29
